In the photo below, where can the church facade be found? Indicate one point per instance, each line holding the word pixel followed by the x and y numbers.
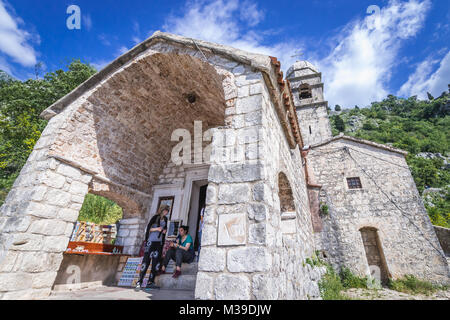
pixel 211 126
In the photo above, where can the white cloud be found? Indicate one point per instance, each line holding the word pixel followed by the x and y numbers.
pixel 359 67
pixel 229 22
pixel 14 41
pixel 424 80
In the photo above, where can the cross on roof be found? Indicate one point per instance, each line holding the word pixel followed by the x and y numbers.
pixel 298 54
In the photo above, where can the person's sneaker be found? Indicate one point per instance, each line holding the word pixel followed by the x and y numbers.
pixel 152 286
pixel 176 274
pixel 138 287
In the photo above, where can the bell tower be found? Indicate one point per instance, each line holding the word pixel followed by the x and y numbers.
pixel 307 90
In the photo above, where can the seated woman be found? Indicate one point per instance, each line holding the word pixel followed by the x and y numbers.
pixel 182 250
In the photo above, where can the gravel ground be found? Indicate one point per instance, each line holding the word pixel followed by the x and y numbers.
pixel 387 294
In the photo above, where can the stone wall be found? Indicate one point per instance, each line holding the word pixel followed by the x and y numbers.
pixel 388 202
pixel 37 220
pixel 316 117
pixel 86 271
pixel 243 194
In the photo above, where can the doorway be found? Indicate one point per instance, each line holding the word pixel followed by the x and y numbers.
pixel 374 252
pixel 198 200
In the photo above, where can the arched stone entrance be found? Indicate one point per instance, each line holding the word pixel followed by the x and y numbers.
pixel 114 141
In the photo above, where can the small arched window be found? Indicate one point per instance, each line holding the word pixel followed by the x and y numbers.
pixel 305 91
pixel 285 194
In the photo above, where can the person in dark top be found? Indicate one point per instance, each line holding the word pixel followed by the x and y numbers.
pixel 182 250
pixel 154 238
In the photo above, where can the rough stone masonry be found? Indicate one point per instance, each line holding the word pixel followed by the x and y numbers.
pixel 112 137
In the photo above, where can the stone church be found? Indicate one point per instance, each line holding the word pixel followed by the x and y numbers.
pixel 205 123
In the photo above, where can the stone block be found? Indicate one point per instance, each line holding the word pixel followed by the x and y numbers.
pixel 248 104
pixel 257 211
pixel 209 235
pixel 235 173
pixel 249 135
pixel 212 259
pixel 204 286
pixel 211 194
pixel 232 230
pixel 78 188
pixel 289 226
pixel 27 242
pixel 68 215
pixel 255 89
pixel 56 243
pixel 42 210
pixel 232 287
pixel 69 171
pixel 8 262
pixel 58 198
pixel 243 92
pixel 234 193
pixel 15 281
pixel 43 280
pixel 249 259
pixel 39 193
pixel 48 227
pixel 53 179
pixel 257 233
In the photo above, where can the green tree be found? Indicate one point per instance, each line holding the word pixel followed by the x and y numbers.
pixel 339 124
pixel 20 106
pixel 337 108
pixel 100 210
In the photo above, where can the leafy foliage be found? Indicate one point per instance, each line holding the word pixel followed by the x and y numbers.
pixel 330 286
pixel 100 210
pixel 416 126
pixel 20 106
pixel 411 285
pixel 350 280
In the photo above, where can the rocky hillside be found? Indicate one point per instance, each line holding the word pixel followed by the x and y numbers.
pixel 421 127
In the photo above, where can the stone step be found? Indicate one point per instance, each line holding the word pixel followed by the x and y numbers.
pixel 184 282
pixel 186 269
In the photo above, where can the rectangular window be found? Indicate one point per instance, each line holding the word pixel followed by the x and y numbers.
pixel 354 183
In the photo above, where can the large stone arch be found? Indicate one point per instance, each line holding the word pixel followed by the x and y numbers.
pixel 113 141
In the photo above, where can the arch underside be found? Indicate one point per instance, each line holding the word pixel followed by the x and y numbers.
pixel 123 130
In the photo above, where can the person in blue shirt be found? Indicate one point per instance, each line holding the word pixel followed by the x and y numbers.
pixel 182 250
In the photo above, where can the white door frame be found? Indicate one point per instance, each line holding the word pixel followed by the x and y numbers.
pixel 192 174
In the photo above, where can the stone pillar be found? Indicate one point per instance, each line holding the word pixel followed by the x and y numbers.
pixel 233 253
pixel 37 220
pixel 131 234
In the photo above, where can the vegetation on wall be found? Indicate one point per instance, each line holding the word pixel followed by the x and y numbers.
pixel 421 127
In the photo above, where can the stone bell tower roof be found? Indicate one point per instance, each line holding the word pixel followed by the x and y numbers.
pixel 301 68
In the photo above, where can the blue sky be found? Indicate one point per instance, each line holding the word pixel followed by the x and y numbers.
pixel 403 48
